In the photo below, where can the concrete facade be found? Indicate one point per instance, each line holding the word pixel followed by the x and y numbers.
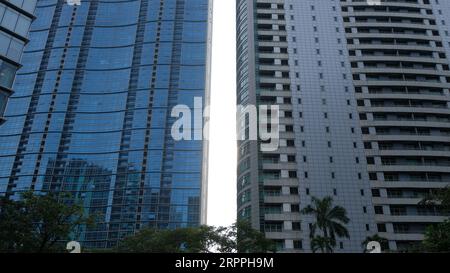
pixel 351 79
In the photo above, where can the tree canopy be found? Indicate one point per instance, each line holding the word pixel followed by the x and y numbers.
pixel 437 238
pixel 240 237
pixel 36 223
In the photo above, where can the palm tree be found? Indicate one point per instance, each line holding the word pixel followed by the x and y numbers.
pixel 330 220
pixel 325 245
pixel 376 238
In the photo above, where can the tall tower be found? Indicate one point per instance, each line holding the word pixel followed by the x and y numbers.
pixel 364 113
pixel 15 21
pixel 399 55
pixel 91 114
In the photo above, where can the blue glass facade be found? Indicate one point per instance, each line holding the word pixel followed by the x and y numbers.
pixel 15 20
pixel 91 112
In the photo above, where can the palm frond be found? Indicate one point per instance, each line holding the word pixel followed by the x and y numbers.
pixel 339 213
pixel 330 219
pixel 340 230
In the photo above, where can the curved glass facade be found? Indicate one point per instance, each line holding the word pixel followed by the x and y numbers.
pixel 91 112
pixel 15 20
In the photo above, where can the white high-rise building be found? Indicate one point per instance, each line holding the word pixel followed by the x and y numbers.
pixel 363 89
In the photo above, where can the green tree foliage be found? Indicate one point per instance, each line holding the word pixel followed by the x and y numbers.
pixel 240 237
pixel 376 238
pixel 322 244
pixel 437 238
pixel 330 220
pixel 44 223
pixel 181 240
pixel 37 223
pixel 439 198
pixel 246 239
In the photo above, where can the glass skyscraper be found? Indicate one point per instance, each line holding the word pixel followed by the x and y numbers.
pixel 15 20
pixel 91 113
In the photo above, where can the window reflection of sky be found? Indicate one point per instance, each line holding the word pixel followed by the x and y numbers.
pixel 86 149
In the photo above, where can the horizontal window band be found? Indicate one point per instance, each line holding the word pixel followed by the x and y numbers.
pixel 112 174
pixel 122 26
pixel 93 113
pixel 112 93
pixel 18 9
pixel 104 153
pixel 171 204
pixel 10 61
pixel 14 34
pixel 116 188
pixel 108 47
pixel 90 133
pixel 112 69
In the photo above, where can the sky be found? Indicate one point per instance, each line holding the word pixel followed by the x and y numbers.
pixel 223 149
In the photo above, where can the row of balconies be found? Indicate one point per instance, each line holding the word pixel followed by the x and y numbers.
pixel 410 236
pixel 396 130
pixel 405 129
pixel 385 24
pixel 406 9
pixel 415 116
pixel 273 57
pixel 404 113
pixel 277 168
pixel 411 183
pixel 408 193
pixel 389 3
pixel 413 146
pixel 402 79
pixel 378 53
pixel 403 92
pixel 390 73
pixel 388 20
pixel 393 41
pixel 408 152
pixel 413 161
pixel 410 210
pixel 408 136
pixel 401 65
pixel 410 219
pixel 408 168
pixel 392 34
pixel 407 102
pixel 378 68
